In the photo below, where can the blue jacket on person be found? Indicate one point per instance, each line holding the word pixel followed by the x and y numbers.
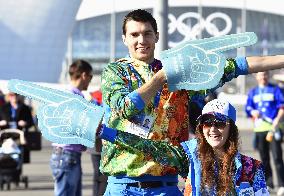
pixel 267 100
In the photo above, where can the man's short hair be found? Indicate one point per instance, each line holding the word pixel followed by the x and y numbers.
pixel 78 67
pixel 139 16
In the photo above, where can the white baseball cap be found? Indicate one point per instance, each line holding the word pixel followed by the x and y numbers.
pixel 220 108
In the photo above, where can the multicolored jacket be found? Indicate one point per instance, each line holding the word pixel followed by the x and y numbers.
pixel 165 118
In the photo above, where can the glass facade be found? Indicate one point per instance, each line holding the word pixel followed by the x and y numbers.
pixel 91 37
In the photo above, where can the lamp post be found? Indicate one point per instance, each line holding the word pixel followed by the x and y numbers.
pixel 160 12
pixel 241 80
pixel 112 33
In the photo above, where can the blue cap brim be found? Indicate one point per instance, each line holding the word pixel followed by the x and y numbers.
pixel 216 115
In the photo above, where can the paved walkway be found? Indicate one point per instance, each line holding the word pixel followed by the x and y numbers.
pixel 39 175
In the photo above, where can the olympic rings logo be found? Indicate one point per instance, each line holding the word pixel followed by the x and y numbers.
pixel 183 24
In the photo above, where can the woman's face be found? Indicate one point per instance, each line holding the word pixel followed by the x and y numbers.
pixel 216 132
pixel 12 97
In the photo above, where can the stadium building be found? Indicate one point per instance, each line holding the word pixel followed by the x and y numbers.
pixel 34 43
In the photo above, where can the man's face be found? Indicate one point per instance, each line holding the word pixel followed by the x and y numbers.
pixel 140 39
pixel 262 78
pixel 87 77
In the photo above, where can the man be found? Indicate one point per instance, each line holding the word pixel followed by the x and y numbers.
pixel 135 89
pixel 66 159
pixel 265 105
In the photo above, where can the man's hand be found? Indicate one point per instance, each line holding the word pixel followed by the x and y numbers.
pixel 199 64
pixel 62 116
pixel 255 114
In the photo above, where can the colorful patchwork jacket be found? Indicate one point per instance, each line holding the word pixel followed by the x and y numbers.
pixel 164 118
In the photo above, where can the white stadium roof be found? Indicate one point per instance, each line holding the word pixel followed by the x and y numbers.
pixel 91 8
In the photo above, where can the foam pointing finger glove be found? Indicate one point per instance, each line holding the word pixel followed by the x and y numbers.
pixel 199 64
pixel 63 117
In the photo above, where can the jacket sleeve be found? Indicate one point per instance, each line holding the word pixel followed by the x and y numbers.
pixel 249 104
pixel 117 91
pixel 279 98
pixel 27 115
pixel 162 152
pixel 233 68
pixel 259 184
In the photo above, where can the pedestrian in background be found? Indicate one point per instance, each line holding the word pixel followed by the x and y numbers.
pixel 265 105
pixel 15 114
pixel 65 160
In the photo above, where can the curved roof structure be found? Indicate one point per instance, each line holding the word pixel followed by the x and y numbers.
pixel 92 8
pixel 33 38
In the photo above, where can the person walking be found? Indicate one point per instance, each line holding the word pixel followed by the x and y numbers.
pixel 265 105
pixel 15 114
pixel 65 160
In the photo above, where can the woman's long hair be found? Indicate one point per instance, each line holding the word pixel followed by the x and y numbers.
pixel 226 165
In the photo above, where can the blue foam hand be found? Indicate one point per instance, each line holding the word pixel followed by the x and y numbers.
pixel 199 64
pixel 63 117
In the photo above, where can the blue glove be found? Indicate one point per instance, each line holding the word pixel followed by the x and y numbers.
pixel 199 64
pixel 63 117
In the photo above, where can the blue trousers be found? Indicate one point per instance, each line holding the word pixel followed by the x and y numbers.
pixel 114 189
pixel 67 173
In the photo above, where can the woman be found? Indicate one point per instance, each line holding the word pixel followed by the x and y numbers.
pixel 214 165
pixel 15 114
